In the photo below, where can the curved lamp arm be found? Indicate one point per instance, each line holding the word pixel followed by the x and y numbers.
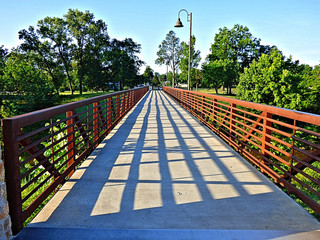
pixel 179 23
pixel 188 15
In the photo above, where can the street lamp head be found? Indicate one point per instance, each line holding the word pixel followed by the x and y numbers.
pixel 178 23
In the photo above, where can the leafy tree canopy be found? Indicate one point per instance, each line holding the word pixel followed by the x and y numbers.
pixel 123 63
pixel 218 73
pixel 169 53
pixel 148 74
pixel 237 45
pixel 74 51
pixel 23 87
pixel 272 81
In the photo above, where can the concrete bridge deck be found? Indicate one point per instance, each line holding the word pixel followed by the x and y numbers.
pixel 163 175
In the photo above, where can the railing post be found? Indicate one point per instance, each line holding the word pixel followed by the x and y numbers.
pixel 124 106
pixel 232 122
pixel 266 130
pixel 127 101
pixel 215 110
pixel 12 173
pixel 70 140
pixel 292 148
pixel 109 113
pixel 131 93
pixel 203 107
pixel 135 95
pixel 183 97
pixel 196 100
pixel 126 98
pixel 95 121
pixel 118 106
pixel 121 104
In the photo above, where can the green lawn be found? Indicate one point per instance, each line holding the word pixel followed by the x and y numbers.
pixel 66 97
pixel 220 92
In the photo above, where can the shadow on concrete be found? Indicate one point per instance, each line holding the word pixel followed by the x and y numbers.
pixel 162 169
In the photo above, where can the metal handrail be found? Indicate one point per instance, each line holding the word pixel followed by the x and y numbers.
pixel 284 144
pixel 43 148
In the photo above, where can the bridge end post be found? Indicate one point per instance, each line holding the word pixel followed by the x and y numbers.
pixel 12 178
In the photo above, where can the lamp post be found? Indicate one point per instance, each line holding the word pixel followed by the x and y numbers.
pixel 179 24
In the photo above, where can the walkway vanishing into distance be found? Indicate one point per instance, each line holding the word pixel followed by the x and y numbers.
pixel 161 174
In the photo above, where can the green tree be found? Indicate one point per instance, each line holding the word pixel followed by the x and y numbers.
pixel 95 75
pixel 311 85
pixel 148 74
pixel 155 81
pixel 123 63
pixel 169 79
pixel 3 57
pixel 23 87
pixel 84 30
pixel 213 74
pixel 197 77
pixel 169 53
pixel 55 30
pixel 271 82
pixel 163 78
pixel 42 54
pixel 194 63
pixel 219 73
pixel 237 45
pixel 76 51
pixel 3 60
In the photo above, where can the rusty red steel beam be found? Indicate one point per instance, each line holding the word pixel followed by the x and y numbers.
pixel 227 123
pixel 41 158
pixel 81 137
pixel 302 116
pixel 37 116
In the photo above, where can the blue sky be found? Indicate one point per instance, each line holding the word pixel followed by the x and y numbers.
pixel 292 25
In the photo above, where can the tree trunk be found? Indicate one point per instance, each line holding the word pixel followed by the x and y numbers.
pixel 70 85
pixel 67 72
pixel 80 76
pixel 121 85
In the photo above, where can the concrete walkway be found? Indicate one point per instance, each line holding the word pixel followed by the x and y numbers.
pixel 162 175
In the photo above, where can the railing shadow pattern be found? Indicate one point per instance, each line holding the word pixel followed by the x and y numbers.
pixel 161 169
pixel 284 144
pixel 43 148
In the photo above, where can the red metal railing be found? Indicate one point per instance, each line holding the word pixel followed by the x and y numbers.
pixel 43 148
pixel 284 144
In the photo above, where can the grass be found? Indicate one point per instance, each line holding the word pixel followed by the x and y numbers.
pixel 66 97
pixel 220 92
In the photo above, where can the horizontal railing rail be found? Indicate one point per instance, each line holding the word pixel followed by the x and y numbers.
pixel 284 144
pixel 43 148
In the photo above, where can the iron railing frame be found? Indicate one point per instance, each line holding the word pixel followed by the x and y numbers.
pixel 232 120
pixel 103 113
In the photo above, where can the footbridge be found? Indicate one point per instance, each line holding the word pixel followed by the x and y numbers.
pixel 171 164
